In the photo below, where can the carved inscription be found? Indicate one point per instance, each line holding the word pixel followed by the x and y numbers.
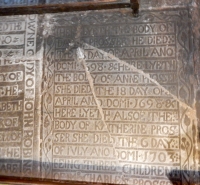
pixel 112 113
pixel 132 104
pixel 17 116
pixel 18 37
pixel 18 93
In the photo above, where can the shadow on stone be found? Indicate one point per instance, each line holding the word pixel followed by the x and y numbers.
pixel 11 171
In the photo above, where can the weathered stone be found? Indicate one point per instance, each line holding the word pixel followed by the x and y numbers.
pixel 124 97
pixel 20 74
pixel 100 96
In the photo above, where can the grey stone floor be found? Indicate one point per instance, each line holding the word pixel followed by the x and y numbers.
pixel 101 96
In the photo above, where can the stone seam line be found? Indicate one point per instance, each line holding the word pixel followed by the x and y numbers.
pixel 192 112
pixel 80 58
pixel 112 57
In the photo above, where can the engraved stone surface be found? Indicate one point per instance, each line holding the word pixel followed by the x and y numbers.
pixel 101 96
pixel 19 74
pixel 18 36
pixel 117 101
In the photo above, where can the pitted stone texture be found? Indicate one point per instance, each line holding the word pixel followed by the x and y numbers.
pixel 117 103
pixel 19 37
pixel 20 86
pixel 116 98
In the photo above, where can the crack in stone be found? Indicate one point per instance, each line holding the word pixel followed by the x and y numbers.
pixel 80 58
pixel 112 57
pixel 190 111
